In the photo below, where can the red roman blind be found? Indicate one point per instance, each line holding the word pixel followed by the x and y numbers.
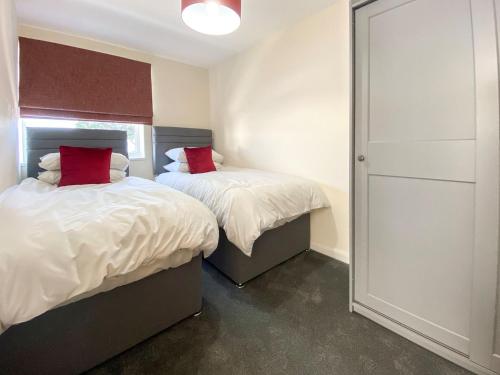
pixel 58 81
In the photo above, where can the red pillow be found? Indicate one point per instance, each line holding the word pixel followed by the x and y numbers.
pixel 200 159
pixel 81 165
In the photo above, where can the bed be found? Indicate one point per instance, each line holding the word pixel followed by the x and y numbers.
pixel 125 309
pixel 243 254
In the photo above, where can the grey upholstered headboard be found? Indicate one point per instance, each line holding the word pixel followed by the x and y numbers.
pixel 42 141
pixel 167 138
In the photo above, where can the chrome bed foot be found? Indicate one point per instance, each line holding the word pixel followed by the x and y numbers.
pixel 241 286
pixel 198 314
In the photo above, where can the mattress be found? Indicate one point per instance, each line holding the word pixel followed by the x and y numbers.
pixel 248 202
pixel 63 244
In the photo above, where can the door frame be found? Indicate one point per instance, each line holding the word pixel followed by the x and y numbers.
pixel 354 5
pixel 484 272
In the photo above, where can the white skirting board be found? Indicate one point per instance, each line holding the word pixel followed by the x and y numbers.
pixel 423 341
pixel 341 255
pixel 496 362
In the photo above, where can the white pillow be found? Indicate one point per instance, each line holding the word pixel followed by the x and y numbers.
pixel 53 177
pixel 183 167
pixel 52 162
pixel 50 177
pixel 178 154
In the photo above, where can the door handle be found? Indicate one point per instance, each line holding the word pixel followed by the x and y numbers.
pixel 361 158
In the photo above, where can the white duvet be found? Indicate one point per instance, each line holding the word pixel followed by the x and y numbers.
pixel 58 243
pixel 248 202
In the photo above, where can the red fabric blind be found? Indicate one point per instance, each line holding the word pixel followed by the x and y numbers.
pixel 58 81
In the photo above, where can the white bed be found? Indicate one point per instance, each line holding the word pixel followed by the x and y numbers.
pixel 63 244
pixel 249 202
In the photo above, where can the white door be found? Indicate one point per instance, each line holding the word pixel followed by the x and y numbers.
pixel 426 182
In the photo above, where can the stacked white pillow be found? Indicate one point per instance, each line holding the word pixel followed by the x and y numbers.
pixel 180 163
pixel 52 165
pixel 178 155
pixel 184 167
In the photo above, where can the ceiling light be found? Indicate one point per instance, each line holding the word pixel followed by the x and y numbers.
pixel 213 17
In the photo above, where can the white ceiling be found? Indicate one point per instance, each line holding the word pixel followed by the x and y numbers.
pixel 155 26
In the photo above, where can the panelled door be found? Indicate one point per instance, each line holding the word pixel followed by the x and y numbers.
pixel 427 168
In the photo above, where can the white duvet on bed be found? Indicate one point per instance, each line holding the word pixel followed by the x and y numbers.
pixel 57 243
pixel 247 202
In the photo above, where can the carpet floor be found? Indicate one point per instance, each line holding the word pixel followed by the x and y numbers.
pixel 292 320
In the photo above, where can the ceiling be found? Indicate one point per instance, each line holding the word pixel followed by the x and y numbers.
pixel 156 27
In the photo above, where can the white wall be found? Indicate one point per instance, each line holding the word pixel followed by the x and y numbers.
pixel 8 94
pixel 283 106
pixel 180 91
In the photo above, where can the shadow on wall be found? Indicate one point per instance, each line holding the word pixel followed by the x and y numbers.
pixel 8 94
pixel 329 225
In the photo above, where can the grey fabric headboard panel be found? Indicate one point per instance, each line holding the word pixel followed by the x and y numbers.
pixel 42 141
pixel 167 138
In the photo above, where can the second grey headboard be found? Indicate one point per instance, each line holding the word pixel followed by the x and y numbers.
pixel 167 138
pixel 42 141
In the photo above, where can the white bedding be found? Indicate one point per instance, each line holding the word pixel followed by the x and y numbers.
pixel 248 202
pixel 59 243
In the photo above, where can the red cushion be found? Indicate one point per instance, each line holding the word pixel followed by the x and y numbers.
pixel 81 166
pixel 199 159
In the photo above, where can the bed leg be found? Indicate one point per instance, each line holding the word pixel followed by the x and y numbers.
pixel 241 286
pixel 308 250
pixel 198 314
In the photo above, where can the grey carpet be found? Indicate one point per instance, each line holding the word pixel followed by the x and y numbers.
pixel 292 320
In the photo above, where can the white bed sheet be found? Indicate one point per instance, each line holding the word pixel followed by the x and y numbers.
pixel 60 243
pixel 247 202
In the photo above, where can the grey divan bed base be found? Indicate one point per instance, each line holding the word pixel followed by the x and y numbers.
pixel 76 337
pixel 271 248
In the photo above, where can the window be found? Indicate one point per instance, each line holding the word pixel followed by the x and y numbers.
pixel 135 132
